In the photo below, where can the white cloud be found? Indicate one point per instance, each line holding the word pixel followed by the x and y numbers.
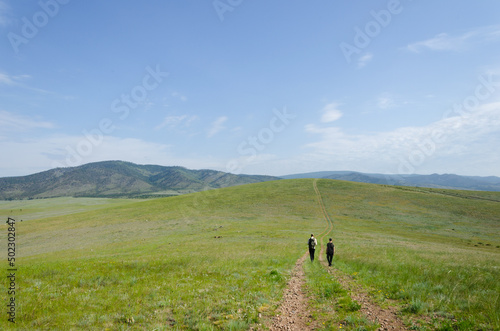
pixel 441 42
pixel 31 155
pixel 11 80
pixel 10 121
pixel 330 113
pixel 364 60
pixel 432 148
pixel 16 81
pixel 173 122
pixel 445 42
pixel 217 126
pixel 466 143
pixel 5 79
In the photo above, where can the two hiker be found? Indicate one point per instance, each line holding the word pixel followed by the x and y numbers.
pixel 330 249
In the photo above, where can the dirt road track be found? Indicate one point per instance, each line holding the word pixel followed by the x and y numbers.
pixel 387 318
pixel 293 313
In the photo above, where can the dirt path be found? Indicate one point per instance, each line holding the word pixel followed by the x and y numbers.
pixel 329 227
pixel 293 314
pixel 387 318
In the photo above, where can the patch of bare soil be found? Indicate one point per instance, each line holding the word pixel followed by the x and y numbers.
pixel 293 314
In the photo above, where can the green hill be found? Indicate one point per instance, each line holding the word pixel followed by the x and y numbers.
pixel 220 259
pixel 118 179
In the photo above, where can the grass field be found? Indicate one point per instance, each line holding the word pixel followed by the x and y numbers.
pixel 43 208
pixel 203 261
pixel 217 259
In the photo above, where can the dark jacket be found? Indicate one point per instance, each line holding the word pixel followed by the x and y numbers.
pixel 329 248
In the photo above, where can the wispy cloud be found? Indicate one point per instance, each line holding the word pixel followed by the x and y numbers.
pixel 172 122
pixel 330 113
pixel 217 126
pixel 385 101
pixel 179 95
pixel 364 60
pixel 10 121
pixel 17 81
pixel 12 80
pixel 33 154
pixel 446 42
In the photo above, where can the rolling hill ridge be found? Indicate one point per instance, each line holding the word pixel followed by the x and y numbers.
pixel 119 179
pixel 113 179
pixel 444 181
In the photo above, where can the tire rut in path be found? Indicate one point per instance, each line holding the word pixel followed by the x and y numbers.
pixel 293 313
pixel 387 318
pixel 329 227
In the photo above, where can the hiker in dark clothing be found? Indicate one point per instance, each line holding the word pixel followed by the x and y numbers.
pixel 312 242
pixel 330 250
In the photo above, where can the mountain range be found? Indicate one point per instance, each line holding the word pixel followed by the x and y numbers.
pixel 119 179
pixel 114 179
pixel 444 181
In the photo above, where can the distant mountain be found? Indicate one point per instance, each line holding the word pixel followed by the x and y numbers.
pixel 445 181
pixel 119 179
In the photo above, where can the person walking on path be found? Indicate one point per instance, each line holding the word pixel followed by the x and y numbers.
pixel 330 250
pixel 312 246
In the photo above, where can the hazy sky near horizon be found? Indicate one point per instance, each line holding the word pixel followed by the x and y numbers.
pixel 256 87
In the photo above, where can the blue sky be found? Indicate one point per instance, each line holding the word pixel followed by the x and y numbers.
pixel 257 87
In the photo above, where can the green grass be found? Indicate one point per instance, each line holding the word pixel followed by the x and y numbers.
pixel 216 259
pixel 203 261
pixel 42 208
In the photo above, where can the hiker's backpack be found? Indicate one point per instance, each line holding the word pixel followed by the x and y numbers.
pixel 311 243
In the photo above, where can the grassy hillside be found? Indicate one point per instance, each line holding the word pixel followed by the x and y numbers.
pixel 444 181
pixel 192 261
pixel 219 258
pixel 435 251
